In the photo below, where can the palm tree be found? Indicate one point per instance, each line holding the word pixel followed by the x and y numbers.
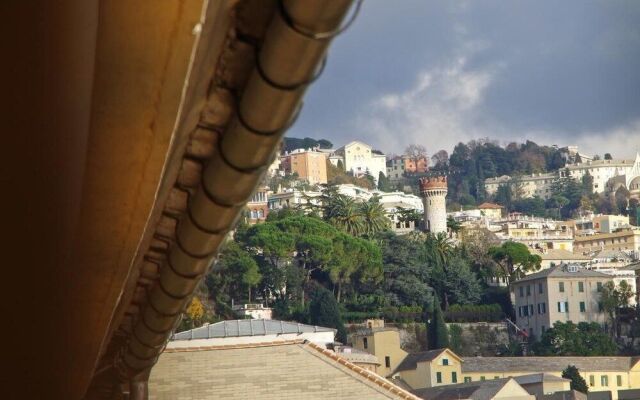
pixel 374 216
pixel 344 214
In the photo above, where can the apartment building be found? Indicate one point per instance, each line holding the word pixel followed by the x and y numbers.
pixel 309 165
pixel 558 294
pixel 258 206
pixel 627 240
pixel 399 165
pixel 608 175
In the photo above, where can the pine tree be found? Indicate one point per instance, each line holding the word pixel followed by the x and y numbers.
pixel 577 381
pixel 437 333
pixel 324 311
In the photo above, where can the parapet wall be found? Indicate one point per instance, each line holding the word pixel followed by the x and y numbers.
pixel 435 182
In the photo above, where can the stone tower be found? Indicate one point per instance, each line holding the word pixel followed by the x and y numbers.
pixel 434 192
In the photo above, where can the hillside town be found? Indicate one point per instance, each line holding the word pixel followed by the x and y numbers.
pixel 548 307
pixel 321 200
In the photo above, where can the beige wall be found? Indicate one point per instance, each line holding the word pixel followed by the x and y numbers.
pixel 545 316
pixel 624 240
pixel 382 344
pixel 426 373
pixel 311 166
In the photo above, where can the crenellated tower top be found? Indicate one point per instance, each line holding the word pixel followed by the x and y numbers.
pixel 433 183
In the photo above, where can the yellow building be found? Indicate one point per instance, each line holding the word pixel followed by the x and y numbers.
pixel 309 165
pixel 383 342
pixel 623 240
pixel 536 374
pixel 600 373
pixel 491 210
pixel 430 368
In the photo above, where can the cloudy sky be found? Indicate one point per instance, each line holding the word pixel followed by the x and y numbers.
pixel 441 72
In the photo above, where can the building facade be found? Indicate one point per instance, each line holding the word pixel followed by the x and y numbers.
pixel 399 165
pixel 359 159
pixel 383 342
pixel 258 206
pixel 627 240
pixel 558 294
pixel 309 165
pixel 608 176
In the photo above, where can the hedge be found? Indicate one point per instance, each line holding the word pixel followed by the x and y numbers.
pixel 474 313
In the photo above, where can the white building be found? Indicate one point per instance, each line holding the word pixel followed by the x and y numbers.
pixel 359 159
pixel 254 311
pixel 608 176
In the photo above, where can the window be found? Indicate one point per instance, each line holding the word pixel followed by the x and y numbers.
pixel 592 380
pixel 445 361
pixel 540 289
pixel 563 306
pixel 542 329
pixel 619 380
pixel 604 380
pixel 521 291
pixel 365 344
pixel 387 361
pixel 583 308
pixel 530 309
pixel 599 284
pixel 439 377
pixel 561 287
pixel 454 377
pixel 600 307
pixel 467 379
pixel 581 287
pixel 528 290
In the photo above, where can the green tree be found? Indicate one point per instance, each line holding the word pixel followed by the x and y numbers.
pixel 577 381
pixel 504 196
pixel 384 183
pixel 515 259
pixel 453 226
pixel 406 274
pixel 409 215
pixel 354 260
pixel 437 333
pixel 569 339
pixel 324 311
pixel 613 299
pixel 607 156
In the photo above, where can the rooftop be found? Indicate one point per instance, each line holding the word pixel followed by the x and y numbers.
pixel 478 390
pixel 411 361
pixel 247 327
pixel 537 364
pixel 273 370
pixel 490 206
pixel 538 378
pixel 561 254
pixel 560 271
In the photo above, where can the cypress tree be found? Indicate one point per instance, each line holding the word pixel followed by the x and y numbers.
pixel 577 381
pixel 437 333
pixel 324 311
